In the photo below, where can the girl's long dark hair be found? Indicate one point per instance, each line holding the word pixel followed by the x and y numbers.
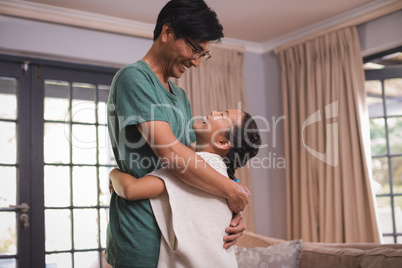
pixel 245 141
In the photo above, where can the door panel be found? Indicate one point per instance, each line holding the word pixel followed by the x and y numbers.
pixel 77 156
pixel 14 165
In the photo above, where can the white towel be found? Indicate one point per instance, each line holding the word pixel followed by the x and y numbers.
pixel 192 223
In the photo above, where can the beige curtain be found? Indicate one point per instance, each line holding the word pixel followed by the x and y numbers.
pixel 329 196
pixel 218 85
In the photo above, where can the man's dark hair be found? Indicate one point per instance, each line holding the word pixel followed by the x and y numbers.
pixel 190 18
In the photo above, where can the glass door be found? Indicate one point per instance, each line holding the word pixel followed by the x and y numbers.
pixel 55 157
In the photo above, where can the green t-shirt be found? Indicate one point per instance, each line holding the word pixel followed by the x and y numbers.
pixel 137 96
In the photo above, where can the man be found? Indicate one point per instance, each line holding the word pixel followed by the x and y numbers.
pixel 150 119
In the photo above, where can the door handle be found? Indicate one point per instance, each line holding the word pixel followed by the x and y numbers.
pixel 24 218
pixel 24 207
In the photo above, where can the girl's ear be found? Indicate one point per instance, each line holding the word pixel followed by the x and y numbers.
pixel 223 144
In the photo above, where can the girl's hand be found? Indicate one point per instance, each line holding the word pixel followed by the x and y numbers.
pixel 236 229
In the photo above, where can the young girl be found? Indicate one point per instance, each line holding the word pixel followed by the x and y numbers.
pixel 225 140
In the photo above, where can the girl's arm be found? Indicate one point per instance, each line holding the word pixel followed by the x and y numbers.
pixel 131 188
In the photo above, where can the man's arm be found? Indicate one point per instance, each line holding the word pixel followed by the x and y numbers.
pixel 130 188
pixel 191 168
pixel 193 146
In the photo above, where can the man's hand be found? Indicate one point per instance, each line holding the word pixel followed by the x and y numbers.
pixel 238 201
pixel 237 226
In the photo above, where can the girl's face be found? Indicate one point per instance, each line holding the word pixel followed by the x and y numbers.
pixel 214 127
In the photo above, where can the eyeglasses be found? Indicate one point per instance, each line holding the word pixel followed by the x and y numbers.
pixel 197 53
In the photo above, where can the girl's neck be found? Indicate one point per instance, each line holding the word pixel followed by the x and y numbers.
pixel 209 149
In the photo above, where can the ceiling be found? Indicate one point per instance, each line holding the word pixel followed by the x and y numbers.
pixel 256 21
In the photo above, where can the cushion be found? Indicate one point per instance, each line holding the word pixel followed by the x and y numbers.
pixel 286 254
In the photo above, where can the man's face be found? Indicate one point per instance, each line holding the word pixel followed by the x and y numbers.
pixel 181 56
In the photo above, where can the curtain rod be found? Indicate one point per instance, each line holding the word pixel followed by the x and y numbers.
pixel 351 22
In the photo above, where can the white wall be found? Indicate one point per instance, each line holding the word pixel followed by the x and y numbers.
pixel 40 38
pixel 261 74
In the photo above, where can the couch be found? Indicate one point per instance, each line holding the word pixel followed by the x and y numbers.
pixel 323 255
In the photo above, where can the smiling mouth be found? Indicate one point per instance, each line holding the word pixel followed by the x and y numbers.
pixel 185 67
pixel 204 120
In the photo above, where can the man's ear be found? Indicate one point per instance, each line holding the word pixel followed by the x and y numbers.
pixel 167 31
pixel 223 144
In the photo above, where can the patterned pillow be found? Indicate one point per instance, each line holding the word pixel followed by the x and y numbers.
pixel 284 255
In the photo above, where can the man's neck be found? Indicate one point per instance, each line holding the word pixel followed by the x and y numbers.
pixel 153 61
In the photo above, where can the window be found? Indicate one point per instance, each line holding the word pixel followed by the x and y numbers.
pixel 384 98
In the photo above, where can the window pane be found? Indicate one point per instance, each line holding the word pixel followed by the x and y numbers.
pixel 388 240
pixel 86 259
pixel 84 144
pixel 8 263
pixel 381 175
pixel 8 99
pixel 106 156
pixel 84 186
pixel 58 229
pixel 398 213
pixel 8 233
pixel 8 188
pixel 374 98
pixel 103 95
pixel 83 103
pixel 395 134
pixel 104 195
pixel 85 229
pixel 62 260
pixel 393 96
pixel 56 100
pixel 56 143
pixel 385 214
pixel 104 219
pixel 57 186
pixel 102 113
pixel 396 163
pixel 378 137
pixel 8 143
